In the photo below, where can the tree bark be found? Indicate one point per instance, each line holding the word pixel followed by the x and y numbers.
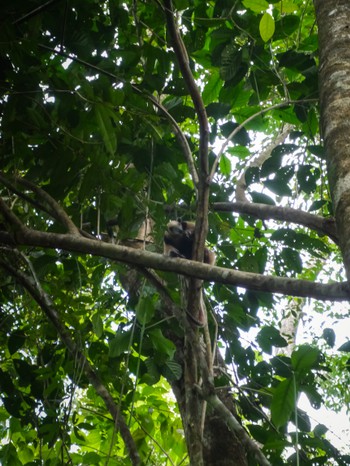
pixel 333 18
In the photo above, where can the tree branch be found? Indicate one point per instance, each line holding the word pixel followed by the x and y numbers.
pixel 35 11
pixel 208 393
pixel 55 210
pixel 201 228
pixel 252 281
pixel 324 226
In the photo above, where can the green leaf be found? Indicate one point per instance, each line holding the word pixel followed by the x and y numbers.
pixel 266 27
pixel 162 344
pixel 212 89
pixel 104 119
pixel 286 26
pixel 239 151
pixel 225 165
pixel 329 336
pixel 97 325
pixel 278 186
pixel 256 5
pixel 153 374
pixel 231 59
pixel 16 341
pixel 317 150
pixel 292 260
pixel 345 347
pixel 283 402
pixel 282 366
pixel 314 397
pixel 242 137
pixel 145 309
pixel 262 198
pixel 304 358
pixel 119 344
pixel 316 205
pixel 172 371
pixel 268 337
pixel 92 458
pixel 248 263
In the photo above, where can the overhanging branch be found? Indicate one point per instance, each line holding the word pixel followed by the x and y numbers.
pixel 248 280
pixel 324 226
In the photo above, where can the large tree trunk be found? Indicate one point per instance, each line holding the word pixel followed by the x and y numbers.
pixel 333 18
pixel 219 445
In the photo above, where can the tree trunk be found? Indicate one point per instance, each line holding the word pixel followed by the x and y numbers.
pixel 220 446
pixel 211 443
pixel 333 18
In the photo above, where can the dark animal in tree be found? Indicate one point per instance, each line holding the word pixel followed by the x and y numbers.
pixel 179 241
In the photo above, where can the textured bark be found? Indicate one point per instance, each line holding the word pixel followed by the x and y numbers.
pixel 333 18
pixel 220 446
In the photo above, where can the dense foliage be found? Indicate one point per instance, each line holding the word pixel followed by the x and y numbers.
pixel 95 111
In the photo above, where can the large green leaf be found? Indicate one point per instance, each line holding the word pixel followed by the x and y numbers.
pixel 284 402
pixel 304 358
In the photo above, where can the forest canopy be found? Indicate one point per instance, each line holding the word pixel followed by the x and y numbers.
pixel 117 118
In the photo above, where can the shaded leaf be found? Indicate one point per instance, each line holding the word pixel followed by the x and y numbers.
pixel 283 402
pixel 268 337
pixel 329 336
pixel 345 347
pixel 304 358
pixel 97 325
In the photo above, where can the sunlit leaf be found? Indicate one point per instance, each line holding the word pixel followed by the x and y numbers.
pixel 225 165
pixel 266 27
pixel 256 5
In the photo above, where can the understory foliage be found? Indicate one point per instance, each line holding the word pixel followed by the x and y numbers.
pixel 98 125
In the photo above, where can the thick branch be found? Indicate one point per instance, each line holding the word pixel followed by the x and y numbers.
pixel 43 300
pixel 225 414
pixel 208 393
pixel 324 226
pixel 235 426
pixel 183 60
pixel 203 189
pixel 252 281
pixel 195 285
pixel 333 19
